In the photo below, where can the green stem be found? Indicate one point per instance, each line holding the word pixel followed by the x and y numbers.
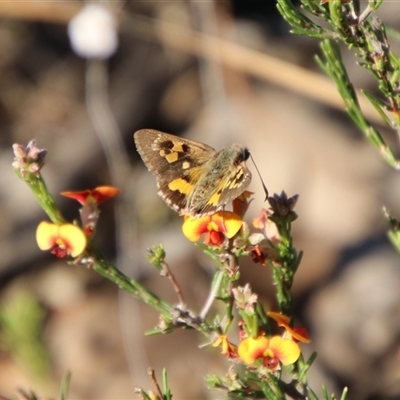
pixel 104 268
pixel 43 197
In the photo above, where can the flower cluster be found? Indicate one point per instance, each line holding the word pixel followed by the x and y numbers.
pixel 220 226
pixel 264 351
pixel 216 227
pixel 225 227
pixel 68 239
pixel 255 348
pixel 268 352
pixel 226 238
pixel 29 159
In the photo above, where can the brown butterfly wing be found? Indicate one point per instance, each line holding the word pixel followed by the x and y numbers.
pixel 176 163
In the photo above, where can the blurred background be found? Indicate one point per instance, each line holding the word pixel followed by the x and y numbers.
pixel 265 92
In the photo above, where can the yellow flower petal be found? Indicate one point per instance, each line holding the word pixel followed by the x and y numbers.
pixel 251 349
pixel 285 350
pixel 46 235
pixel 74 239
pixel 229 222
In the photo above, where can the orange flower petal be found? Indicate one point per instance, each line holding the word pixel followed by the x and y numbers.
pixel 96 195
pixel 285 350
pixel 102 193
pixel 281 319
pixel 214 238
pixel 227 348
pixel 80 196
pixel 300 334
pixel 250 349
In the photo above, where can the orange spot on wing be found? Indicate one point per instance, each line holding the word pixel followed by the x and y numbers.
pixel 181 185
pixel 172 157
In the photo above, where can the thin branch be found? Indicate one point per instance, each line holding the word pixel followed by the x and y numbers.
pixel 168 274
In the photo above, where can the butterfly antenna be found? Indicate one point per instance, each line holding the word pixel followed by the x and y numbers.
pixel 262 181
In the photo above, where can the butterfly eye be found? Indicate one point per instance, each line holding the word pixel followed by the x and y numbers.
pixel 242 156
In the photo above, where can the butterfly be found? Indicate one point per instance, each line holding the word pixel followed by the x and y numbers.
pixel 193 178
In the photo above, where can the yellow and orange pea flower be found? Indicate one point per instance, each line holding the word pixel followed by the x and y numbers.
pixel 93 196
pixel 272 351
pixel 216 227
pixel 297 334
pixel 63 240
pixel 227 348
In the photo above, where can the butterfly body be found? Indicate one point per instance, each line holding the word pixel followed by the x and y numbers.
pixel 192 177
